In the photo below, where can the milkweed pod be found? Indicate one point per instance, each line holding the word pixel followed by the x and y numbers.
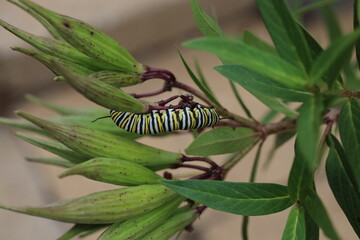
pixel 88 40
pixel 94 143
pixel 139 226
pixel 103 207
pixel 100 92
pixel 55 48
pixel 172 225
pixel 42 20
pixel 54 147
pixel 115 171
pixel 118 79
pixel 48 59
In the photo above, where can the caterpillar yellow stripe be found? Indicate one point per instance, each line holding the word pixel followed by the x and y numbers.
pixel 159 121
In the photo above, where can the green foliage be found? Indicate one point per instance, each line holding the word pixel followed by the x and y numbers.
pixel 310 88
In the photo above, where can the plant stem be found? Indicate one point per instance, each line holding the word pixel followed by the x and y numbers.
pixel 242 104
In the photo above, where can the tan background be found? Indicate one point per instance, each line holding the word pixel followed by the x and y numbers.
pixel 150 30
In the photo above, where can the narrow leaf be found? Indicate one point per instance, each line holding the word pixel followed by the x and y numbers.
pixel 251 39
pixel 203 87
pixel 342 188
pixel 312 229
pixel 308 128
pixel 253 81
pixel 356 26
pixel 295 225
pixel 285 33
pixel 250 57
pixel 274 104
pixel 318 213
pixel 251 199
pixel 332 59
pixel 349 128
pixel 221 141
pixel 205 23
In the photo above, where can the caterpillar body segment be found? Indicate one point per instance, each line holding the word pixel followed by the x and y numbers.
pixel 159 121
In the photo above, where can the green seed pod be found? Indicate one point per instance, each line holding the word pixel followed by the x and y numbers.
pixel 103 207
pixel 21 125
pixel 54 147
pixel 42 20
pixel 48 59
pixel 139 226
pixel 172 225
pixel 55 48
pixel 100 92
pixel 90 41
pixel 115 171
pixel 118 79
pixel 95 143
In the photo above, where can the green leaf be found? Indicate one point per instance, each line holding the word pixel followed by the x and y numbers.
pixel 295 225
pixel 356 26
pixel 203 87
pixel 285 33
pixel 332 59
pixel 252 40
pixel 250 57
pixel 318 213
pixel 221 141
pixel 331 22
pixel 251 199
pixel 204 22
pixel 301 177
pixel 349 128
pixel 280 139
pixel 274 104
pixel 253 81
pixel 342 188
pixel 312 229
pixel 308 128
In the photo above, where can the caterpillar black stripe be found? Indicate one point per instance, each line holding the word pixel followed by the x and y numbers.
pixel 159 121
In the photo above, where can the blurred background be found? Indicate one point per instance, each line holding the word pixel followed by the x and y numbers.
pixel 152 31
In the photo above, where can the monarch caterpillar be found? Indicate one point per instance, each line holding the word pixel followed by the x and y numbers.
pixel 159 121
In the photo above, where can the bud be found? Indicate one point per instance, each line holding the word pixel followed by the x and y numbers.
pixel 139 226
pixel 54 147
pixel 172 225
pixel 115 171
pixel 95 143
pixel 100 92
pixel 103 207
pixel 88 40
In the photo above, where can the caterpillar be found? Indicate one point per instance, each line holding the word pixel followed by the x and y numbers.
pixel 159 121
